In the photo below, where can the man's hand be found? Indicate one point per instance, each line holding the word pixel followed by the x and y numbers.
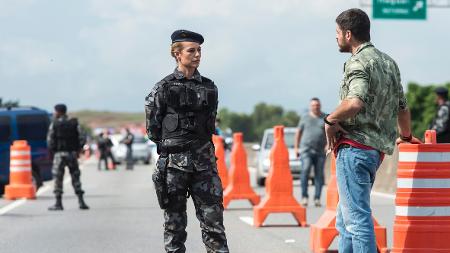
pixel 297 154
pixel 413 140
pixel 331 132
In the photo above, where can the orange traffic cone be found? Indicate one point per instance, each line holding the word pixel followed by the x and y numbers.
pixel 221 164
pixel 239 179
pixel 111 165
pixel 422 202
pixel 87 153
pixel 279 198
pixel 324 231
pixel 20 179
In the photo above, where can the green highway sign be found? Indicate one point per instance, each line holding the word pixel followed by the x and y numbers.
pixel 400 9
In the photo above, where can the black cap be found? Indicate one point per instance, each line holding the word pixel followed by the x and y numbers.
pixel 441 91
pixel 185 35
pixel 62 108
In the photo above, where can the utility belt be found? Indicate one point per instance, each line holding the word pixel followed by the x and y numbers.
pixel 171 146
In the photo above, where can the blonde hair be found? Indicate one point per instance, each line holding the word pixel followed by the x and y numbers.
pixel 175 47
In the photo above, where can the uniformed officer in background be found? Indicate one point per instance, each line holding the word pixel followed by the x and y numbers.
pixel 65 140
pixel 128 141
pixel 180 115
pixel 441 120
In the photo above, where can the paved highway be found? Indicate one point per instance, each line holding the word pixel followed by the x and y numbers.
pixel 125 217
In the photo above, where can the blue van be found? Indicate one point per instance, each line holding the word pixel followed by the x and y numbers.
pixel 30 124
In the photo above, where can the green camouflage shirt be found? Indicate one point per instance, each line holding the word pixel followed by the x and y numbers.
pixel 373 77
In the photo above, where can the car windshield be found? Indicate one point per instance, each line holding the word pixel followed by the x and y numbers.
pixel 288 139
pixel 5 130
pixel 32 127
pixel 139 139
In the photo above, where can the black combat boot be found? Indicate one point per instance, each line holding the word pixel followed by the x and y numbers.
pixel 57 206
pixel 83 205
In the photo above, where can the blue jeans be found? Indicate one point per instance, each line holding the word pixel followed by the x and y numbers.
pixel 317 160
pixel 355 172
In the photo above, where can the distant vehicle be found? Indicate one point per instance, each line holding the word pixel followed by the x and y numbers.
pixel 228 138
pixel 263 159
pixel 154 152
pixel 141 149
pixel 30 124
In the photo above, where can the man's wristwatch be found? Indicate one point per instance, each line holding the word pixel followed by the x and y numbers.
pixel 328 122
pixel 407 139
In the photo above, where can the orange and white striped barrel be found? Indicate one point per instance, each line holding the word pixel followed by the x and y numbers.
pixel 20 178
pixel 422 211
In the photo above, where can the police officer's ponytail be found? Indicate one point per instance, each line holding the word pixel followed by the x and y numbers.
pixel 175 47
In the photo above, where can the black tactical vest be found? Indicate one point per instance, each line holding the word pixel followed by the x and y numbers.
pixel 66 135
pixel 190 113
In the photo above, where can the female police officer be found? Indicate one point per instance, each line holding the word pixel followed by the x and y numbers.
pixel 180 116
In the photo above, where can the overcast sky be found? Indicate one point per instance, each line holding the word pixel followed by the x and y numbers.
pixel 108 54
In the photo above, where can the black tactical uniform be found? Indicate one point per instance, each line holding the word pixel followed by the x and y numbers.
pixel 104 145
pixel 441 122
pixel 65 140
pixel 128 141
pixel 180 115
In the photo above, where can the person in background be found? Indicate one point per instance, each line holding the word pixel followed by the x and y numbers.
pixel 441 121
pixel 311 136
pixel 128 141
pixel 65 140
pixel 104 145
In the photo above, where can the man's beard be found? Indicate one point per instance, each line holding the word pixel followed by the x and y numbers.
pixel 344 48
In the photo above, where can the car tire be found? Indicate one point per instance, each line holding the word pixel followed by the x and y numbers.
pixel 36 178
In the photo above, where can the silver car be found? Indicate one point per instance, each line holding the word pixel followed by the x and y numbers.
pixel 142 151
pixel 263 159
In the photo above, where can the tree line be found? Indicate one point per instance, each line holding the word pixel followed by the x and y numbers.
pixel 253 125
pixel 421 102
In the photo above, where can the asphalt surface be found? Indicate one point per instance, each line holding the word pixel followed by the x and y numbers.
pixel 125 217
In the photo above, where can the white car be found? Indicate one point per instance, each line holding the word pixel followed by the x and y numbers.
pixel 142 151
pixel 263 162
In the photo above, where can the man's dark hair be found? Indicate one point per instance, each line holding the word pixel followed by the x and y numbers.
pixel 357 22
pixel 315 99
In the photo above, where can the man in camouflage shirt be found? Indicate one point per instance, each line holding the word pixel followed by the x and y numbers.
pixel 363 127
pixel 441 120
pixel 180 115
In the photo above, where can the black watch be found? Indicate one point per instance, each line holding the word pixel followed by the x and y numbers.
pixel 407 139
pixel 328 122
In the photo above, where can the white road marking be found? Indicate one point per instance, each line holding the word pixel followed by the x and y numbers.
pixel 22 201
pixel 13 205
pixel 289 241
pixel 247 219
